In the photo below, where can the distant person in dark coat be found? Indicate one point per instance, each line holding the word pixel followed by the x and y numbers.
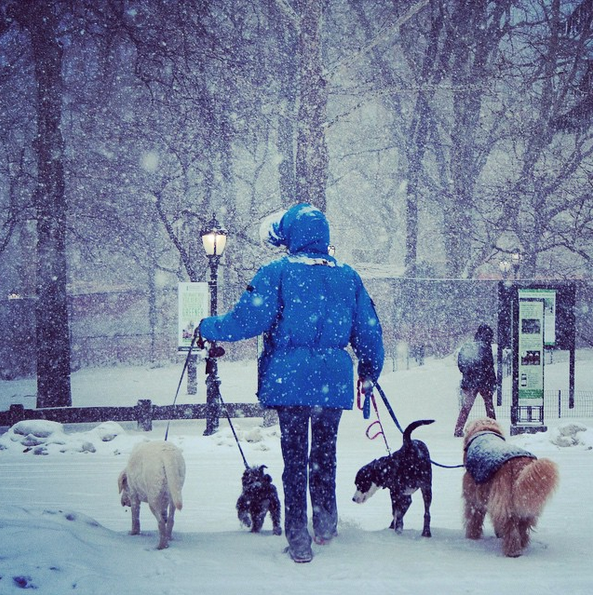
pixel 476 364
pixel 309 308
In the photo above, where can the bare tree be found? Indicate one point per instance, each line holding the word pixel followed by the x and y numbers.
pixel 552 163
pixel 53 337
pixel 311 155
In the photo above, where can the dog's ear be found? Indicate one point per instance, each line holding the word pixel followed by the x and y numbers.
pixel 122 481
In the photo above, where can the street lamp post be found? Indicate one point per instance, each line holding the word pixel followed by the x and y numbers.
pixel 512 264
pixel 516 258
pixel 505 267
pixel 214 240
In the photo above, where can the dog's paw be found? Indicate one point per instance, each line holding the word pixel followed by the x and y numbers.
pixel 277 531
pixel 514 553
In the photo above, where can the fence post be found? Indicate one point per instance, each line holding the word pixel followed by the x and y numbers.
pixel 192 374
pixel 270 418
pixel 559 403
pixel 144 414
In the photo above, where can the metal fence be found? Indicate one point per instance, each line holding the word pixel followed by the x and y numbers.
pixel 556 405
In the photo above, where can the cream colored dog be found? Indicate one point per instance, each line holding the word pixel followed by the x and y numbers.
pixel 505 481
pixel 155 474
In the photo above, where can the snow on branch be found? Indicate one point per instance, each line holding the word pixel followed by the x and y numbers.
pixel 289 12
pixel 382 36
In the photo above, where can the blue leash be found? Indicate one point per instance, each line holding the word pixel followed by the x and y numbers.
pixel 394 418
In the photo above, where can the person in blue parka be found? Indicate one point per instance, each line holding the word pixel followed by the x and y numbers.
pixel 309 308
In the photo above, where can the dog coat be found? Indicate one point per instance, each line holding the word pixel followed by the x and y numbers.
pixel 487 452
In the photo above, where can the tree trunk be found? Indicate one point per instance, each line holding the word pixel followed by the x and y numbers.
pixel 312 156
pixel 416 145
pixel 287 115
pixel 53 335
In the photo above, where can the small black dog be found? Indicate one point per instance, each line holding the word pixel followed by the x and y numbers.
pixel 402 472
pixel 259 496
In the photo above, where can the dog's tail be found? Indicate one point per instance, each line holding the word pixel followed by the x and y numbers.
pixel 415 424
pixel 534 485
pixel 175 472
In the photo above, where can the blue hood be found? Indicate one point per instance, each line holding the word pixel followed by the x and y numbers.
pixel 302 229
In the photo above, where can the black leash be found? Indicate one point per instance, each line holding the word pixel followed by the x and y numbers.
pixel 394 418
pixel 197 338
pixel 233 429
pixel 191 346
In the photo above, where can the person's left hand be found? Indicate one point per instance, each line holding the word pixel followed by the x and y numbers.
pixel 366 387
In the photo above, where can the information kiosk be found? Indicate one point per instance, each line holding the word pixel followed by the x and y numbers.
pixel 532 319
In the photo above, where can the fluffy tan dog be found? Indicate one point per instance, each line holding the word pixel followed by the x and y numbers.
pixel 155 474
pixel 507 482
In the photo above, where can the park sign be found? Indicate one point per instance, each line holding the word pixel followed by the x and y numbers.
pixel 548 296
pixel 531 348
pixel 192 307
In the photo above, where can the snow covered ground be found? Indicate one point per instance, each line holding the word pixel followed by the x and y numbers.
pixel 62 528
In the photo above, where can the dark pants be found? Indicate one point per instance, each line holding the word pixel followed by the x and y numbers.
pixel 469 397
pixel 319 464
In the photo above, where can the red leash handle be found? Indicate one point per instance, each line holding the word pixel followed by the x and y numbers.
pixel 378 433
pixel 365 407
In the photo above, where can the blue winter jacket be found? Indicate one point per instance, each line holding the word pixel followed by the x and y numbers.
pixel 309 308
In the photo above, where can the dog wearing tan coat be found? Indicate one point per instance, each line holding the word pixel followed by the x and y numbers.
pixel 155 474
pixel 508 483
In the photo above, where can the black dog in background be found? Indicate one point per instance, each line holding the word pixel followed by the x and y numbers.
pixel 402 472
pixel 259 496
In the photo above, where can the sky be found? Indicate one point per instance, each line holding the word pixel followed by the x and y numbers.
pixel 63 529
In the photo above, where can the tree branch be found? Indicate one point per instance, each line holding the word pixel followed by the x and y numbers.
pixel 381 37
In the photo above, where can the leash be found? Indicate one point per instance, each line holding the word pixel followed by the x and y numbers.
pixel 218 352
pixel 197 340
pixel 233 430
pixel 387 404
pixel 191 346
pixel 394 418
pixel 369 398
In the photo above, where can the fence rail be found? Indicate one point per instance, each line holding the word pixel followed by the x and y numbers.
pixel 144 413
pixel 556 405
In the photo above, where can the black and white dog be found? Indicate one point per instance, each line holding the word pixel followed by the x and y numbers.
pixel 259 496
pixel 402 472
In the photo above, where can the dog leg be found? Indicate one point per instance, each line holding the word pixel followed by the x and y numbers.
pixel 276 515
pixel 258 519
pixel 474 515
pixel 170 520
pixel 525 527
pixel 135 517
pixel 244 518
pixel 474 507
pixel 511 540
pixel 427 497
pixel 161 517
pixel 243 511
pixel 400 507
